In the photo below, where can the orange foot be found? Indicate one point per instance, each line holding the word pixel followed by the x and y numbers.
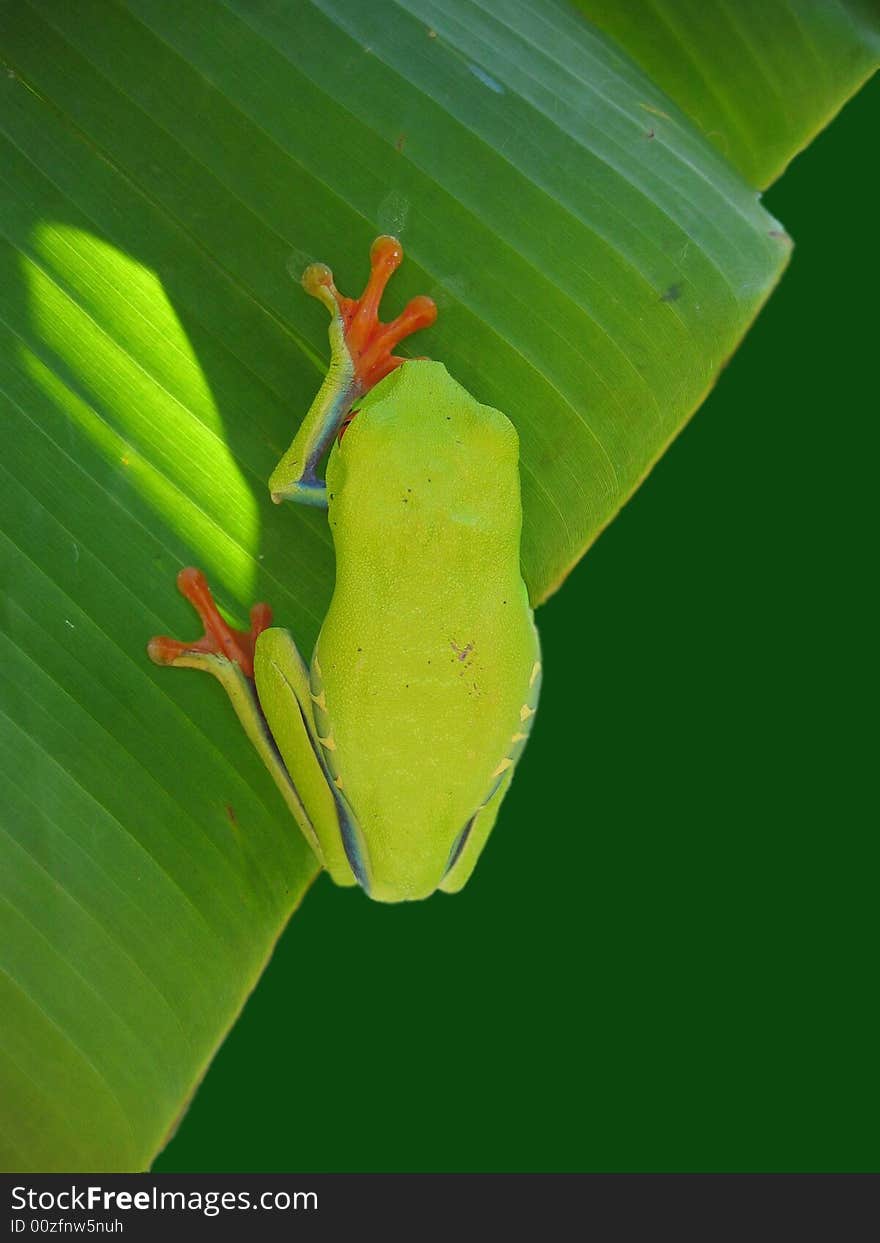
pixel 219 639
pixel 369 341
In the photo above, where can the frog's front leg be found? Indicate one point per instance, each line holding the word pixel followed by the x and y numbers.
pixel 360 356
pixel 244 662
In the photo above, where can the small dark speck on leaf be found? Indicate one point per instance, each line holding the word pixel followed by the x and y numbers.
pixel 780 233
pixel 672 294
pixel 230 811
pixel 649 133
pixel 400 143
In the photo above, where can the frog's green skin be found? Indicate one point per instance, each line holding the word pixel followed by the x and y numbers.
pixel 397 745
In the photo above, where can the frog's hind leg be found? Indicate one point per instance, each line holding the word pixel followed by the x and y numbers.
pixel 228 654
pixel 469 844
pixel 296 712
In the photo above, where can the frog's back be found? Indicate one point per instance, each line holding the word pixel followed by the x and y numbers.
pixel 428 650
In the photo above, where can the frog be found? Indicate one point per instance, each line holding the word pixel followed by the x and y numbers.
pixel 396 743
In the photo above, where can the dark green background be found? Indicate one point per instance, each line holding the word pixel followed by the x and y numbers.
pixel 667 958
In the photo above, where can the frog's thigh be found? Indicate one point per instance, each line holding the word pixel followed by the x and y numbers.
pixel 477 834
pixel 283 686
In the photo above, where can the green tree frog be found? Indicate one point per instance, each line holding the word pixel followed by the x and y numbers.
pixel 395 746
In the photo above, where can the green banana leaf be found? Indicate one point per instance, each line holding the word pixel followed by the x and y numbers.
pixel 759 78
pixel 596 258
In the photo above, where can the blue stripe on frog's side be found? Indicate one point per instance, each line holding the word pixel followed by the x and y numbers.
pixel 353 844
pixel 458 845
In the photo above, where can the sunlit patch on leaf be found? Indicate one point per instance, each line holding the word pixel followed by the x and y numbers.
pixel 119 365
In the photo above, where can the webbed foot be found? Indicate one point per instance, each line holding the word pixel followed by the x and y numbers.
pixel 219 639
